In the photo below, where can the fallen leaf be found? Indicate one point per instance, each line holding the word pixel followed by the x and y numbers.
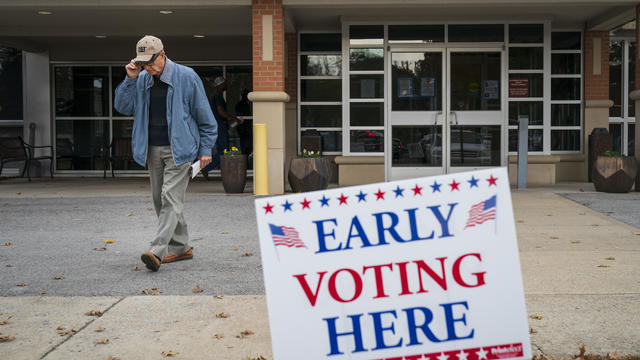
pixel 109 241
pixel 60 327
pixel 100 249
pixel 595 224
pixel 154 288
pixel 6 338
pixel 19 193
pixel 102 341
pixel 575 241
pixel 6 321
pixel 137 268
pixel 8 244
pixel 156 293
pixel 113 358
pixel 581 213
pixel 218 296
pixel 234 248
pixel 610 258
pixel 197 289
pixel 59 277
pixel 145 291
pixel 169 353
pixel 247 254
pixel 610 212
pixel 94 313
pixel 616 247
pixel 636 233
pixel 67 332
pixel 225 232
pixel 554 237
pixel 100 329
pixel 130 214
pixel 218 336
pixel 520 221
pixel 150 209
pixel 21 284
pixel 581 190
pixel 536 316
pixel 222 315
pixel 549 214
pixel 9 265
pixel 532 331
pixel 42 292
pixel 603 266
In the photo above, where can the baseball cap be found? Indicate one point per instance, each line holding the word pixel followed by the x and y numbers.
pixel 147 47
pixel 218 81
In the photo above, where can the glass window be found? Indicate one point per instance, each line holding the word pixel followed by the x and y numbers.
pixel 615 77
pixel 366 34
pixel 476 33
pixel 416 80
pixel 565 89
pixel 321 116
pixel 475 146
pixel 525 58
pixel 320 65
pixel 366 114
pixel 10 84
pixel 631 151
pixel 534 109
pixel 118 74
pixel 331 140
pixel 475 81
pixel 565 140
pixel 239 83
pixel 366 141
pixel 416 33
pixel 320 42
pixel 82 91
pixel 80 144
pixel 321 90
pixel 526 85
pixel 366 59
pixel 535 140
pixel 526 33
pixel 632 77
pixel 565 114
pixel 416 146
pixel 366 86
pixel 207 75
pixel 121 154
pixel 565 64
pixel 566 40
pixel 615 130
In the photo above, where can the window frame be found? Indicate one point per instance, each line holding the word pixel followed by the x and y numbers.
pixel 624 120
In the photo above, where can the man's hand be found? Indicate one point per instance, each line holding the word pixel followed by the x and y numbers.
pixel 133 69
pixel 204 160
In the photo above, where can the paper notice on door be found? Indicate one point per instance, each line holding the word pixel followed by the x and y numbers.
pixel 195 169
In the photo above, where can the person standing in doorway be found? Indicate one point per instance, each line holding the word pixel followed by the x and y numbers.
pixel 225 121
pixel 172 126
pixel 245 130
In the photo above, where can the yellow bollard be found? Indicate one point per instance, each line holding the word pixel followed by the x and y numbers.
pixel 260 164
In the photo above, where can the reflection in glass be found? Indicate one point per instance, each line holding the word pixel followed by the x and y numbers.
pixel 565 89
pixel 415 81
pixel 366 34
pixel 632 77
pixel 320 65
pixel 475 81
pixel 239 79
pixel 321 116
pixel 565 64
pixel 533 109
pixel 320 42
pixel 476 33
pixel 526 33
pixel 565 140
pixel 366 114
pixel 615 130
pixel 121 154
pixel 366 141
pixel 565 114
pixel 118 73
pixel 631 136
pixel 566 40
pixel 331 140
pixel 535 140
pixel 82 91
pixel 80 144
pixel 10 84
pixel 416 145
pixel 416 34
pixel 475 146
pixel 525 58
pixel 207 75
pixel 615 77
pixel 321 90
pixel 366 59
pixel 366 86
pixel 535 82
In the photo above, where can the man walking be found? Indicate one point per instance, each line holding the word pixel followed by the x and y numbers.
pixel 173 125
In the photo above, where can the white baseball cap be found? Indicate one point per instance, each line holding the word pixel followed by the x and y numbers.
pixel 148 48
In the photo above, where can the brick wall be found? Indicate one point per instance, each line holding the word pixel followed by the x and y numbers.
pixel 268 75
pixel 596 86
pixel 291 77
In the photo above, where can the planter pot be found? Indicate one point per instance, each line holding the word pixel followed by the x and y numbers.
pixel 233 169
pixel 614 174
pixel 309 174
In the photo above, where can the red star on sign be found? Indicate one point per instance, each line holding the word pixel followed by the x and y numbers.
pixel 379 195
pixel 454 185
pixel 268 208
pixel 343 199
pixel 492 180
pixel 305 204
pixel 417 190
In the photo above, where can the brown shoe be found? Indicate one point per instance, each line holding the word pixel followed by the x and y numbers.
pixel 150 260
pixel 184 256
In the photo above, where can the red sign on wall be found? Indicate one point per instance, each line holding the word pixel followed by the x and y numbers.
pixel 518 88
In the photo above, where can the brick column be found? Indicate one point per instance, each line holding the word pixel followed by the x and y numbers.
pixel 268 94
pixel 596 86
pixel 291 75
pixel 635 95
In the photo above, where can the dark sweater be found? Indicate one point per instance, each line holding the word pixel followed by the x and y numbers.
pixel 158 128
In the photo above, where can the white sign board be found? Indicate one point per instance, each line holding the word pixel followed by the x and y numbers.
pixel 424 268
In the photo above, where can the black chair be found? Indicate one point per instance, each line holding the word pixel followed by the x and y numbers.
pixel 15 149
pixel 119 149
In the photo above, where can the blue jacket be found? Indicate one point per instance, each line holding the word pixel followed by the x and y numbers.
pixel 192 127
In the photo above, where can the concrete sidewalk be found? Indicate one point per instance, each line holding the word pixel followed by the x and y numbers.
pixel 580 269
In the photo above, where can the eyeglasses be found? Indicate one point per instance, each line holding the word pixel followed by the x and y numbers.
pixel 150 62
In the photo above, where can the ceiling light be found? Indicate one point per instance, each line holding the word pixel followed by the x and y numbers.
pixel 44 12
pixel 166 12
pixel 101 36
pixel 199 36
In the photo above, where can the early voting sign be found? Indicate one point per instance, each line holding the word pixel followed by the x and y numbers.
pixel 417 269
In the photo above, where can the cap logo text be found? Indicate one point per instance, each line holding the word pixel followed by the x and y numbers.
pixel 142 48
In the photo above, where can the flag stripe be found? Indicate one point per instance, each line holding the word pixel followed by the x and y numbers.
pixel 286 236
pixel 481 212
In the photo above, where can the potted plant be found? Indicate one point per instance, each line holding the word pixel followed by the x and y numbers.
pixel 614 172
pixel 233 168
pixel 309 172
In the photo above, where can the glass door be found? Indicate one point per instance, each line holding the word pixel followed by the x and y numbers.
pixel 416 106
pixel 475 109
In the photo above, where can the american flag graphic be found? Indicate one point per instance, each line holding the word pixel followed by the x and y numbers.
pixel 285 236
pixel 481 212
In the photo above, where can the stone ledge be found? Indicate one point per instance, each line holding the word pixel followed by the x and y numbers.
pixel 268 96
pixel 536 159
pixel 605 103
pixel 359 160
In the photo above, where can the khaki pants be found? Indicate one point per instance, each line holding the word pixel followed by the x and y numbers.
pixel 168 185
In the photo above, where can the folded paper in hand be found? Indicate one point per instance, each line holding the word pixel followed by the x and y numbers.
pixel 195 169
